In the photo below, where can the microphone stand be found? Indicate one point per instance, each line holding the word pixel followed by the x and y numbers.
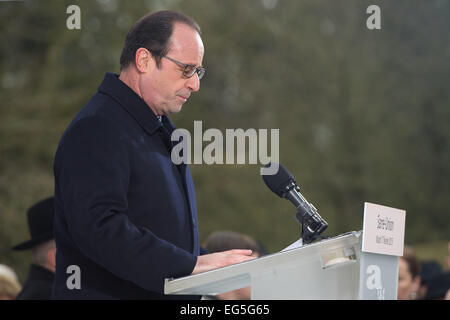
pixel 312 227
pixel 305 236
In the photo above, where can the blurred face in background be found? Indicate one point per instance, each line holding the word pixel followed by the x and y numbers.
pixel 407 285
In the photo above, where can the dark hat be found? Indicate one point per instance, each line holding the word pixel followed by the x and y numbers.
pixel 429 269
pixel 40 224
pixel 438 286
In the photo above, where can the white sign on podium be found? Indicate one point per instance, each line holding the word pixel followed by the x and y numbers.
pixel 384 229
pixel 382 245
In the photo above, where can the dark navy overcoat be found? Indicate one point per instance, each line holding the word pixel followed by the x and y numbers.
pixel 125 214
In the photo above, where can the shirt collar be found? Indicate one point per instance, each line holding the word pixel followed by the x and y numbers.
pixel 131 102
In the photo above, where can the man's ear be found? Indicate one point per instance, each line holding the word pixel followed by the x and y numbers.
pixel 144 60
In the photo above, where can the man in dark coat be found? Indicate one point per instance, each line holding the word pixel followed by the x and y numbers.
pixel 38 285
pixel 125 214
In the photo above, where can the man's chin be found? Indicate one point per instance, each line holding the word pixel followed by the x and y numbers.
pixel 176 108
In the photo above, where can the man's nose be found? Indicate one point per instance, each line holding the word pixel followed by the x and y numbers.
pixel 193 83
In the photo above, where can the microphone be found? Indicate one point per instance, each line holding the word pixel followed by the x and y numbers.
pixel 284 185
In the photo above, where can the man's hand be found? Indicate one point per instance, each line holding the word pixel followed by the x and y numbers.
pixel 221 259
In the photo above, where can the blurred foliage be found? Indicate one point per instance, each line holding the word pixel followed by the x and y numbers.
pixel 436 251
pixel 363 115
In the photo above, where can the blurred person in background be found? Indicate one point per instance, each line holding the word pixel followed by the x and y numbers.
pixel 9 284
pixel 408 275
pixel 38 285
pixel 428 270
pixel 226 240
pixel 435 281
pixel 439 287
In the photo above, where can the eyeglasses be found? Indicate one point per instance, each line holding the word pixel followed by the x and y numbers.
pixel 189 69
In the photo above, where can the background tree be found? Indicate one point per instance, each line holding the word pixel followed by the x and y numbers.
pixel 363 115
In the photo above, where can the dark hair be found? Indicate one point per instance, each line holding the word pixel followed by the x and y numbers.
pixel 413 264
pixel 153 32
pixel 227 240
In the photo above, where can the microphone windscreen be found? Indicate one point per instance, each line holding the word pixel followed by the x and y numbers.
pixel 278 181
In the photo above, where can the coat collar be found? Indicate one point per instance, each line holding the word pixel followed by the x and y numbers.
pixel 131 102
pixel 40 273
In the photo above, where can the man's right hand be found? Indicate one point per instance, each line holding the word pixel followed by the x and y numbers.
pixel 221 259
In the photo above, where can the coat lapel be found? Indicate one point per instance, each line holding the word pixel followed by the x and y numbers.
pixel 188 183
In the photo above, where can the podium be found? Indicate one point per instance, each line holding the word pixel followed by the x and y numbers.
pixel 335 268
